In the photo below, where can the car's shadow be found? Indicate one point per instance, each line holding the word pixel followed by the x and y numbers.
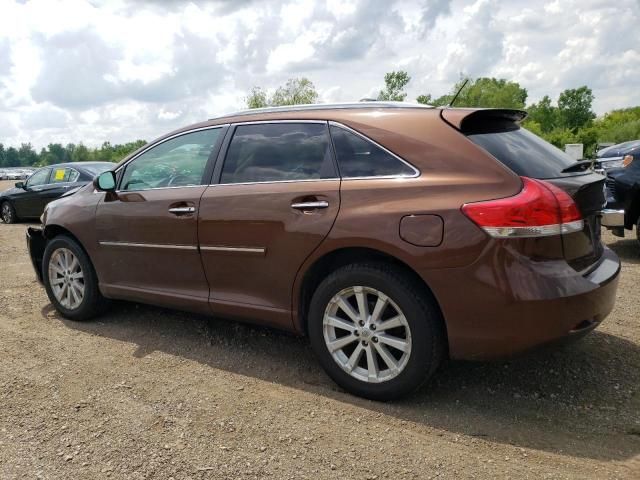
pixel 627 249
pixel 581 399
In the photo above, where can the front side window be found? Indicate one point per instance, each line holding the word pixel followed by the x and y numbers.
pixel 178 162
pixel 272 152
pixel 358 157
pixel 64 175
pixel 41 177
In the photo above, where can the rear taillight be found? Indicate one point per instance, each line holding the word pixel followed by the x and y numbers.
pixel 540 209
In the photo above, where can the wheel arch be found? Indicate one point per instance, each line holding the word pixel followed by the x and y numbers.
pixel 330 261
pixel 52 231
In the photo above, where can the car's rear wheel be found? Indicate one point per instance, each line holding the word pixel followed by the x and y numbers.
pixel 375 331
pixel 8 213
pixel 70 280
pixel 638 231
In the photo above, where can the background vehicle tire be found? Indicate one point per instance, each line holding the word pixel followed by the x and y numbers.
pixel 638 231
pixel 388 351
pixel 70 280
pixel 8 213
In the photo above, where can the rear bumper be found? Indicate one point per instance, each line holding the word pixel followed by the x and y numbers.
pixel 612 218
pixel 516 304
pixel 36 244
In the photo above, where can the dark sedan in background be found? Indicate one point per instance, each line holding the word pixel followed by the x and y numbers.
pixel 28 198
pixel 621 164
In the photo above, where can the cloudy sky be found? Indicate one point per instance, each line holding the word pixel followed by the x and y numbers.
pixel 93 71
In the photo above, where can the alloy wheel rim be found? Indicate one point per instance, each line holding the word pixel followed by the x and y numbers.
pixel 367 334
pixel 66 278
pixel 6 213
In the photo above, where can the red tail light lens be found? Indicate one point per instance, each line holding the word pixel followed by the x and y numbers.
pixel 540 209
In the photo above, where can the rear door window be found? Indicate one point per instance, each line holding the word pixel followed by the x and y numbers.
pixel 272 152
pixel 64 175
pixel 524 153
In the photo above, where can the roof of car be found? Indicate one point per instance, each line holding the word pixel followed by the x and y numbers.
pixel 325 106
pixel 77 164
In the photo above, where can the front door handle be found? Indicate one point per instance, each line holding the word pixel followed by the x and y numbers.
pixel 310 205
pixel 182 210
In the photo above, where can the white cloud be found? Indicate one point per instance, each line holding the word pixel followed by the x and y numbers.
pixel 97 70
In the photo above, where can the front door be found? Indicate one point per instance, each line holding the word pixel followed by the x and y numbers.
pixel 147 230
pixel 277 197
pixel 30 203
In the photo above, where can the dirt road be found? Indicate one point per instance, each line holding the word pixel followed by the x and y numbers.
pixel 144 392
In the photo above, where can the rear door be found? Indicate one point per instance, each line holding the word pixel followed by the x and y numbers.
pixel 530 156
pixel 275 198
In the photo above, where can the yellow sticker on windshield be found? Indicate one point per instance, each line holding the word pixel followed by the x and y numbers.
pixel 60 174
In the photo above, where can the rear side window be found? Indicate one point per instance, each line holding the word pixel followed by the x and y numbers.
pixel 358 157
pixel 63 175
pixel 271 152
pixel 525 153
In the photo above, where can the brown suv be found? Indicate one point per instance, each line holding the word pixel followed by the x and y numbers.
pixel 393 235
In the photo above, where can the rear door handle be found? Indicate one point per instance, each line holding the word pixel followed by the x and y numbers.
pixel 182 210
pixel 310 205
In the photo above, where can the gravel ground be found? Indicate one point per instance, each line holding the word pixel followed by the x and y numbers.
pixel 144 392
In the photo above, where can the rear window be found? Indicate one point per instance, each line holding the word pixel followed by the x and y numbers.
pixel 525 153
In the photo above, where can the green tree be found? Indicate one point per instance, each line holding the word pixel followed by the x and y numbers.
pixel 544 114
pixel 257 98
pixel 394 86
pixel 27 155
pixel 80 153
pixel 574 108
pixel 2 156
pixel 12 159
pixel 482 92
pixel 296 91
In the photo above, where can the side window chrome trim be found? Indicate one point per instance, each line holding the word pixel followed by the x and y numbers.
pixel 212 127
pixel 276 181
pixel 364 137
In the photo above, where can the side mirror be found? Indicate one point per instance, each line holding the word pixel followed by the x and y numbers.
pixel 20 185
pixel 105 182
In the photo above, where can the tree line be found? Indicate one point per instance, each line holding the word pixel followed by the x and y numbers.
pixel 26 156
pixel 567 119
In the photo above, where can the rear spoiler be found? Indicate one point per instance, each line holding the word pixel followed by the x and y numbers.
pixel 476 120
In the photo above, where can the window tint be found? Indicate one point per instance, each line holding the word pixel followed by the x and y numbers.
pixel 39 178
pixel 525 153
pixel 178 162
pixel 271 152
pixel 358 157
pixel 61 175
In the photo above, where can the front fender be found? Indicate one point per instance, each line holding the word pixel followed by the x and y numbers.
pixel 36 243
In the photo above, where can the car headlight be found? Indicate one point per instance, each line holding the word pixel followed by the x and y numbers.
pixel 627 160
pixel 612 164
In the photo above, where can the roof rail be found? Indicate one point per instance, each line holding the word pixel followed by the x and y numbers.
pixel 325 106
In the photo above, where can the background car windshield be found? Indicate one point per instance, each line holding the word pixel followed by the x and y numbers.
pixel 39 178
pixel 278 151
pixel 97 168
pixel 177 162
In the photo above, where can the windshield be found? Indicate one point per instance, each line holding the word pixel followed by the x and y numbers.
pixel 525 153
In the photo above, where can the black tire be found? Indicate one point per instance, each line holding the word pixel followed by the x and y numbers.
pixel 417 305
pixel 8 213
pixel 638 231
pixel 93 303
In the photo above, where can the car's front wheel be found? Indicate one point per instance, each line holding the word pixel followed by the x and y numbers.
pixel 8 213
pixel 375 331
pixel 70 280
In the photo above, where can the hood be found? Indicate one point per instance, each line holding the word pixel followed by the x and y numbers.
pixel 619 150
pixel 11 191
